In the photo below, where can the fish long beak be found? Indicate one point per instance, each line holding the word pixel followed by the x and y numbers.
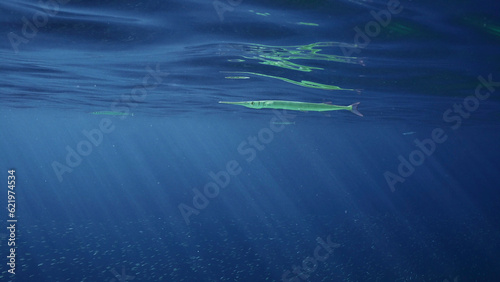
pixel 233 103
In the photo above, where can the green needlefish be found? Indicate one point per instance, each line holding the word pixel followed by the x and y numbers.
pixel 109 113
pixel 295 106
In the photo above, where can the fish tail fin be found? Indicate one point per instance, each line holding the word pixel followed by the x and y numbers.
pixel 354 109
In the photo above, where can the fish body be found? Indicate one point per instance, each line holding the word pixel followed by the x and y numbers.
pixel 110 113
pixel 295 106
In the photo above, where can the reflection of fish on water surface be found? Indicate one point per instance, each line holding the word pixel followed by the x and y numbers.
pixel 303 83
pixel 110 113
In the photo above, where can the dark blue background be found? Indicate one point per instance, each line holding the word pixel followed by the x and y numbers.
pixel 116 216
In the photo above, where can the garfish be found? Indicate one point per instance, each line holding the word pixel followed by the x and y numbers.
pixel 295 106
pixel 110 113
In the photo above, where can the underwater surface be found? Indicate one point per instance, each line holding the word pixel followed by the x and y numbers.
pixel 120 164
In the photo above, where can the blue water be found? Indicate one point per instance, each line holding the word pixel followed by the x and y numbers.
pixel 128 169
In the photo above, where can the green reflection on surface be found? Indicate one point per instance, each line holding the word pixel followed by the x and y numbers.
pixel 259 14
pixel 400 29
pixel 294 58
pixel 237 77
pixel 484 23
pixel 303 83
pixel 281 56
pixel 309 24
